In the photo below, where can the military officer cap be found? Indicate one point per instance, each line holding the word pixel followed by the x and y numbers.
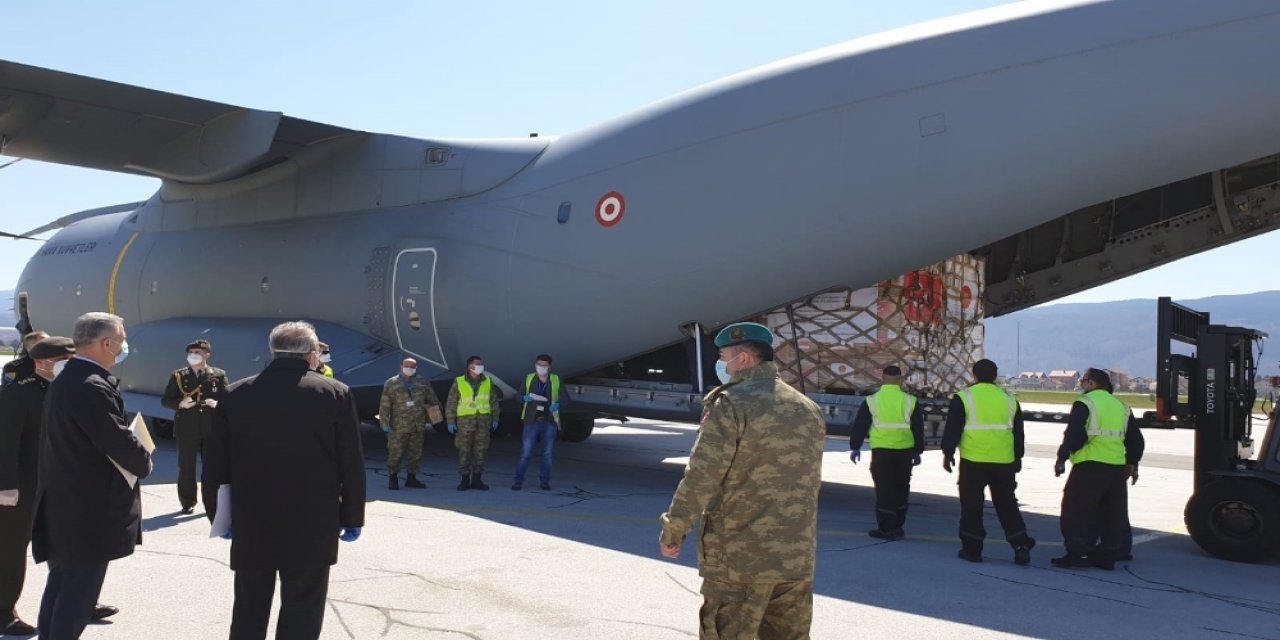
pixel 55 347
pixel 200 344
pixel 740 332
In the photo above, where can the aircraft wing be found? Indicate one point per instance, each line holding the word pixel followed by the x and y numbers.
pixel 70 119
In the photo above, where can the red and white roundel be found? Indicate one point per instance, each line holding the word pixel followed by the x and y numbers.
pixel 610 209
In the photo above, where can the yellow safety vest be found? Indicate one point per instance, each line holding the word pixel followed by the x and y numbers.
pixel 988 425
pixel 555 394
pixel 471 402
pixel 1108 419
pixel 891 410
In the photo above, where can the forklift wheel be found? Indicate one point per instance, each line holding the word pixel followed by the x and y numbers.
pixel 1235 519
pixel 577 429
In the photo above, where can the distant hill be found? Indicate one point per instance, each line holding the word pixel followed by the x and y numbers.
pixel 1116 335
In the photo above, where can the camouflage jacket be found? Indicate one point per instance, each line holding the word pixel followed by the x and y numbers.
pixel 395 410
pixel 753 476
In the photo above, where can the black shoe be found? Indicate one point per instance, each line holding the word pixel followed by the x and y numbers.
pixel 466 482
pixel 1102 562
pixel 517 486
pixel 393 482
pixel 1072 561
pixel 17 628
pixel 477 483
pixel 971 556
pixel 102 611
pixel 887 535
pixel 413 483
pixel 1128 557
pixel 1022 552
pixel 546 486
pixel 186 511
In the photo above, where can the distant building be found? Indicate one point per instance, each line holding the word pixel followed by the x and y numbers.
pixel 1031 380
pixel 1142 384
pixel 1120 380
pixel 1063 378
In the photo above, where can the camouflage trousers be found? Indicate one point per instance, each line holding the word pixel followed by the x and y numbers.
pixel 765 610
pixel 472 441
pixel 404 443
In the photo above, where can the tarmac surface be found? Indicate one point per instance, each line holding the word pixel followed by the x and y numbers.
pixel 581 560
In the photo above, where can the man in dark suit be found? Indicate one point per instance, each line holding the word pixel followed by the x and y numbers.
pixel 287 442
pixel 87 513
pixel 193 393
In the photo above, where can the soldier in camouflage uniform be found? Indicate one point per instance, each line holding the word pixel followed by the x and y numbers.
pixel 753 476
pixel 472 412
pixel 403 414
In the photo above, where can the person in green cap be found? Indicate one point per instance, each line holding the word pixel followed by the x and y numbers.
pixel 753 477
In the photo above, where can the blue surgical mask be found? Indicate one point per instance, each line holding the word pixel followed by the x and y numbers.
pixel 124 352
pixel 722 371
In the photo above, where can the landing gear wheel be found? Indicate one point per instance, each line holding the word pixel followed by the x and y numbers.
pixel 577 429
pixel 1235 519
pixel 162 428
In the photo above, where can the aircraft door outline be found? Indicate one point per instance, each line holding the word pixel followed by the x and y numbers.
pixel 413 309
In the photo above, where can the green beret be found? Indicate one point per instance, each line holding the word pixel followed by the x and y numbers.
pixel 55 347
pixel 200 344
pixel 740 332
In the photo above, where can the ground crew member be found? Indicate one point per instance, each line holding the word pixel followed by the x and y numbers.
pixel 472 413
pixel 21 408
pixel 541 417
pixel 753 477
pixel 403 416
pixel 193 393
pixel 986 423
pixel 1105 446
pixel 22 366
pixel 893 420
pixel 323 368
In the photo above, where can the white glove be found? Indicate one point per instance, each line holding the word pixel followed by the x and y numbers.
pixel 186 403
pixel 211 403
pixel 9 498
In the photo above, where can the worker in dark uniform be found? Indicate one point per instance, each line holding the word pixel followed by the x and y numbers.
pixel 893 420
pixel 1105 446
pixel 986 423
pixel 323 368
pixel 193 393
pixel 22 366
pixel 21 408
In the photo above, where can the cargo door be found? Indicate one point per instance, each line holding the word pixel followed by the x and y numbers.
pixel 413 304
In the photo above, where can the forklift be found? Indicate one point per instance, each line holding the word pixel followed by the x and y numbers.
pixel 1234 512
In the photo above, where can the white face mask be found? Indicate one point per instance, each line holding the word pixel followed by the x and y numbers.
pixel 477 369
pixel 194 359
pixel 324 357
pixel 408 373
pixel 542 371
pixel 124 351
pixel 58 367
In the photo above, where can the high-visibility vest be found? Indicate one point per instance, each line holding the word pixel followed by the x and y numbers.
pixel 1108 419
pixel 555 394
pixel 471 402
pixel 988 425
pixel 891 410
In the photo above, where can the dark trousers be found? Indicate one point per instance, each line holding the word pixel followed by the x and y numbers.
pixel 975 477
pixel 15 535
pixel 302 598
pixel 190 432
pixel 1095 492
pixel 69 597
pixel 891 472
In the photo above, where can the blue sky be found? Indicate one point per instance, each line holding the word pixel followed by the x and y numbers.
pixel 454 69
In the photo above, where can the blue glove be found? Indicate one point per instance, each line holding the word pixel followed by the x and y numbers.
pixel 385 428
pixel 494 427
pixel 350 535
pixel 528 397
pixel 855 455
pixel 915 462
pixel 555 406
pixel 453 428
pixel 227 535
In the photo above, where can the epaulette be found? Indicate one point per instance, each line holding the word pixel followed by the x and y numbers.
pixel 25 380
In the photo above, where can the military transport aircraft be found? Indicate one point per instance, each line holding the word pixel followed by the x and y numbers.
pixel 1069 143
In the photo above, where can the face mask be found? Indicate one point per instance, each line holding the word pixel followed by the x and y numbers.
pixel 324 357
pixel 477 369
pixel 408 373
pixel 542 371
pixel 722 371
pixel 58 367
pixel 194 359
pixel 124 351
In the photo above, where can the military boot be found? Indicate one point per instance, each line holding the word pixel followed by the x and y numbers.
pixel 411 481
pixel 393 482
pixel 466 482
pixel 477 483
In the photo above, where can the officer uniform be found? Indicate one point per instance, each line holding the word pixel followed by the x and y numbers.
pixel 472 406
pixel 21 408
pixel 892 419
pixel 403 409
pixel 192 426
pixel 17 369
pixel 1101 439
pixel 753 477
pixel 986 423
